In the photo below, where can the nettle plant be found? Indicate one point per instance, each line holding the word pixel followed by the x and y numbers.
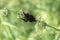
pixel 27 17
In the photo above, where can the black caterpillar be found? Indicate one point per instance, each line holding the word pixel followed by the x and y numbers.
pixel 28 17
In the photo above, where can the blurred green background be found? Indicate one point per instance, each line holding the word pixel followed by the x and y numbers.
pixel 13 28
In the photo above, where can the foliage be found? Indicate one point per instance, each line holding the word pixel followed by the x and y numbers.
pixel 46 12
